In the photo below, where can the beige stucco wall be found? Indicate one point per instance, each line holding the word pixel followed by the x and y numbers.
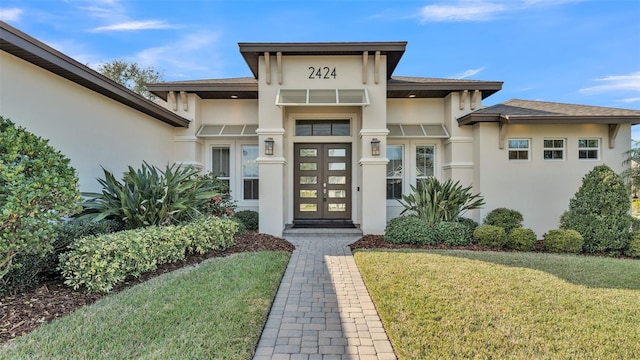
pixel 539 189
pixel 90 129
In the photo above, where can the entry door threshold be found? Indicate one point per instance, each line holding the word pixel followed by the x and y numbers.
pixel 323 224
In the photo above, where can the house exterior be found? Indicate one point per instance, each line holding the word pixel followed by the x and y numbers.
pixel 325 132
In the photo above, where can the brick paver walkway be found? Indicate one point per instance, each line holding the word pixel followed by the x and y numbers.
pixel 322 309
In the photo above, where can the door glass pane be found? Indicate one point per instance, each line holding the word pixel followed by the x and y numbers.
pixel 337 166
pixel 309 194
pixel 337 152
pixel 337 207
pixel 341 180
pixel 308 152
pixel 337 194
pixel 308 207
pixel 306 180
pixel 308 166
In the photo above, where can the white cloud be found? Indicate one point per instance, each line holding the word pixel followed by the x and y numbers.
pixel 461 11
pixel 480 10
pixel 135 26
pixel 629 82
pixel 468 73
pixel 12 14
pixel 629 100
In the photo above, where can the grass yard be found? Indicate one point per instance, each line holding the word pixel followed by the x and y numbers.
pixel 485 305
pixel 214 310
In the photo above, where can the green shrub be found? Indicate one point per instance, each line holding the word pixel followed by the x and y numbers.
pixel 220 205
pixel 242 230
pixel 521 239
pixel 452 233
pixel 149 196
pixel 409 230
pixel 634 245
pixel 434 201
pixel 635 224
pixel 249 218
pixel 100 262
pixel 33 269
pixel 563 241
pixel 507 219
pixel 37 189
pixel 490 236
pixel 599 211
pixel 471 226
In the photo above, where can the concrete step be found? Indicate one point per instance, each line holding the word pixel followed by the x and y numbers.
pixel 321 232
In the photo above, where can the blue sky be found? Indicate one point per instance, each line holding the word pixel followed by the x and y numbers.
pixel 574 51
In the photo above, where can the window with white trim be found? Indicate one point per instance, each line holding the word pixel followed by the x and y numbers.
pixel 250 175
pixel 519 149
pixel 220 164
pixel 425 164
pixel 588 149
pixel 394 171
pixel 553 149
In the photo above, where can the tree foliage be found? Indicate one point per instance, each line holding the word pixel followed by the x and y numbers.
pixel 599 211
pixel 631 176
pixel 131 75
pixel 37 189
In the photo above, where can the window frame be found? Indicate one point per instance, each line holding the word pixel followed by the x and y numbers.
pixel 518 149
pixel 242 176
pixel 596 149
pixel 402 175
pixel 545 148
pixel 414 148
pixel 236 182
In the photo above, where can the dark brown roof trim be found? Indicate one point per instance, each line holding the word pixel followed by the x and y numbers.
pixel 23 46
pixel 211 89
pixel 393 50
pixel 474 118
pixel 438 88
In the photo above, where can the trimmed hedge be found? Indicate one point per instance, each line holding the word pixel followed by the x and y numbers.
pixel 563 241
pixel 249 218
pixel 521 239
pixel 471 226
pixel 452 233
pixel 100 262
pixel 34 269
pixel 490 236
pixel 409 230
pixel 634 246
pixel 508 219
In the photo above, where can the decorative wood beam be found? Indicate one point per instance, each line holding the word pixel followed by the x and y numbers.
pixel 185 100
pixel 365 66
pixel 172 100
pixel 475 99
pixel 279 62
pixel 613 132
pixel 376 68
pixel 463 98
pixel 267 65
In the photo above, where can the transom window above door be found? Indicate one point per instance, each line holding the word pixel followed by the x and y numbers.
pixel 323 128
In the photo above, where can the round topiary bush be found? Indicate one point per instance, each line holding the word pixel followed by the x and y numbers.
pixel 409 230
pixel 563 241
pixel 490 236
pixel 37 189
pixel 599 211
pixel 521 239
pixel 507 219
pixel 452 233
pixel 634 245
pixel 249 218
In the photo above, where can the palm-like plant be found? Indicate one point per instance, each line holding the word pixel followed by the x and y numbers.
pixel 148 196
pixel 434 201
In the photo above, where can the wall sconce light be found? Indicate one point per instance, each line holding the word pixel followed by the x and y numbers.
pixel 268 146
pixel 375 147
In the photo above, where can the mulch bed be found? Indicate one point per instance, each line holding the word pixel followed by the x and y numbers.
pixel 22 313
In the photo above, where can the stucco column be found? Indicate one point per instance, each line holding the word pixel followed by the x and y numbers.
pixel 374 172
pixel 271 167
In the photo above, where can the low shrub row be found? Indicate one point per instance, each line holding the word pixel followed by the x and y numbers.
pixel 413 230
pixel 100 262
pixel 32 269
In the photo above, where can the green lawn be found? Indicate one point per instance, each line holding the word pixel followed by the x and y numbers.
pixel 214 310
pixel 486 305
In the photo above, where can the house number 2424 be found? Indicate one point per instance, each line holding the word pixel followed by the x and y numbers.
pixel 322 72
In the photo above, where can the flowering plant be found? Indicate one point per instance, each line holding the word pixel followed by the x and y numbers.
pixel 220 205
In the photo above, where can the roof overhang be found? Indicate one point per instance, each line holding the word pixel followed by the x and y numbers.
pixel 31 50
pixel 474 118
pixel 208 90
pixel 251 52
pixel 440 88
